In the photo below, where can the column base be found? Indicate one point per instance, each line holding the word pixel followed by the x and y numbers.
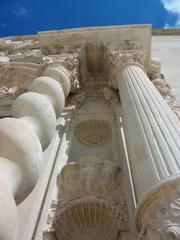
pixel 158 213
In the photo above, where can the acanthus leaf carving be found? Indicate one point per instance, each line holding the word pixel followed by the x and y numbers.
pixel 69 62
pixel 116 60
pixel 111 96
pixel 77 99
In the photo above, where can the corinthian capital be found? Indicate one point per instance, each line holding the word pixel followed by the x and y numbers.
pixel 69 63
pixel 116 60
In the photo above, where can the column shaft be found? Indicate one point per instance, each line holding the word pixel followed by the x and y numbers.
pixel 152 130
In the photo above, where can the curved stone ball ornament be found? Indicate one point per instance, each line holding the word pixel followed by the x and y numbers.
pixel 22 141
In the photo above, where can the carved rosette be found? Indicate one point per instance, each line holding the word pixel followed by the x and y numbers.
pixel 158 214
pixel 69 62
pixel 90 205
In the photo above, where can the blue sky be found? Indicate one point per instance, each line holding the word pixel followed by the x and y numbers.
pixel 30 16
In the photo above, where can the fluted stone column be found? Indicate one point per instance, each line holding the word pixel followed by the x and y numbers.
pixel 152 133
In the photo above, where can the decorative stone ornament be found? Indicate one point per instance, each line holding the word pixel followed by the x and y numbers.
pixel 111 96
pixel 91 219
pixel 90 205
pixel 93 132
pixel 69 63
pixel 158 214
pixel 116 61
pixel 77 99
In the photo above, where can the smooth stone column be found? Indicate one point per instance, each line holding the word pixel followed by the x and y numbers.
pixel 152 133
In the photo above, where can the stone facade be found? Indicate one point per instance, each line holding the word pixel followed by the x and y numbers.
pixel 89 138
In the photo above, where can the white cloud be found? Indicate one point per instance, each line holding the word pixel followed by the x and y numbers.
pixel 21 12
pixel 173 7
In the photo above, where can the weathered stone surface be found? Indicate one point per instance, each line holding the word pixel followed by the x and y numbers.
pixel 113 111
pixel 89 192
pixel 69 63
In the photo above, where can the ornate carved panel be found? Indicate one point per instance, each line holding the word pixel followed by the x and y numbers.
pixel 90 204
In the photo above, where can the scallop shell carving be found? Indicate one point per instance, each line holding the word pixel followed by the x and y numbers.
pixel 90 220
pixel 93 132
pixel 175 207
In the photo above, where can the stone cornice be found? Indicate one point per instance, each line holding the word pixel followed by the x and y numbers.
pixel 165 32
